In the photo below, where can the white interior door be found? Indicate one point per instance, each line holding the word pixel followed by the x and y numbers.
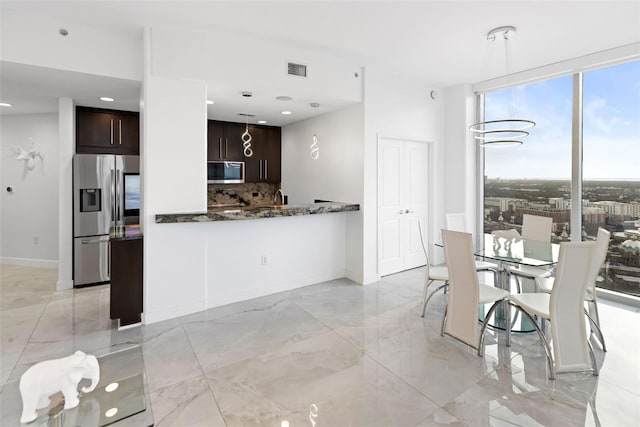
pixel 402 202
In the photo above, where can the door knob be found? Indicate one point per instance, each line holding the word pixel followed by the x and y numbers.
pixel 408 211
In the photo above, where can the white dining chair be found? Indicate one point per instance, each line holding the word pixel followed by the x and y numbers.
pixel 460 318
pixel 432 274
pixel 564 309
pixel 545 284
pixel 457 222
pixel 536 228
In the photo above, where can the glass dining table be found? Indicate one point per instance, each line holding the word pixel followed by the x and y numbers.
pixel 520 253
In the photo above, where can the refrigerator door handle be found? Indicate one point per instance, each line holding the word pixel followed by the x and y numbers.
pixel 113 189
pixel 117 198
pixel 101 239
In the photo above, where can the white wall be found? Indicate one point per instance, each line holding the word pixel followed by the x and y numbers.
pixel 32 208
pixel 175 180
pixel 300 251
pixel 66 149
pixel 34 40
pixel 460 154
pixel 399 107
pixel 230 60
pixel 336 175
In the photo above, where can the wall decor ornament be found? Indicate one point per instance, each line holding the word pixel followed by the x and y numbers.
pixel 28 155
pixel 315 148
pixel 51 376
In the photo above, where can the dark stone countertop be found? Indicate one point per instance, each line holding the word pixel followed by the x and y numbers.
pixel 257 212
pixel 125 232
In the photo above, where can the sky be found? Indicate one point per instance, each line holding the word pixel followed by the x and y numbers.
pixel 611 127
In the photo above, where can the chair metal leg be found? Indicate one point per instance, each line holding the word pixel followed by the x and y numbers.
pixel 596 372
pixel 427 282
pixel 424 305
pixel 444 319
pixel 508 323
pixel 485 322
pixel 594 324
pixel 545 343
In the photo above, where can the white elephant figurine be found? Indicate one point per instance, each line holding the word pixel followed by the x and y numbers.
pixel 51 376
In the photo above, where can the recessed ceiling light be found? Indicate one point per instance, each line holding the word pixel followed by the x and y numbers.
pixel 286 113
pixel 262 122
pixel 106 99
pixel 315 104
pixel 284 98
pixel 5 104
pixel 209 102
pixel 63 32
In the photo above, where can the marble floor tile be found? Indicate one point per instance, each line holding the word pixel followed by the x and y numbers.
pixel 169 359
pixel 218 341
pixel 408 284
pixel 441 418
pixel 361 354
pixel 344 386
pixel 188 403
pixel 74 314
pixel 343 302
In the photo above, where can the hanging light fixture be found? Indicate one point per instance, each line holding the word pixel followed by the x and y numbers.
pixel 315 148
pixel 509 131
pixel 246 136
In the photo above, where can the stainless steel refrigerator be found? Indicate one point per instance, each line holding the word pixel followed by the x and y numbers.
pixel 99 203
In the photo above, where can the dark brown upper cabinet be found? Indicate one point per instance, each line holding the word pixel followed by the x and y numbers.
pixel 224 141
pixel 102 131
pixel 265 164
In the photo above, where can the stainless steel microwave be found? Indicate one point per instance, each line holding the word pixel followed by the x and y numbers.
pixel 225 172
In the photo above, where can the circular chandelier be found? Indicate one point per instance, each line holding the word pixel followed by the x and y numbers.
pixel 508 131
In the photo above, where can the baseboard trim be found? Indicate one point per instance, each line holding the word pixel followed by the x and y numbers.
pixel 27 262
pixel 606 294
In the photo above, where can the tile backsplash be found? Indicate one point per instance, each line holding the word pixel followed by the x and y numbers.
pixel 253 193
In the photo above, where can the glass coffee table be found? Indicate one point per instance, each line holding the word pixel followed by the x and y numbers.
pixel 120 399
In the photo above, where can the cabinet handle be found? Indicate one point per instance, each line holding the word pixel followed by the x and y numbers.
pixel 111 132
pixel 266 170
pixel 260 163
pixel 220 148
pixel 120 132
pixel 226 144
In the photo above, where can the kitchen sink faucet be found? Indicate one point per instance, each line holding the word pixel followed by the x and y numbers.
pixel 275 196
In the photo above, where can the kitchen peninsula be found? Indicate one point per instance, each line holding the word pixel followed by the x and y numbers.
pixel 227 254
pixel 257 212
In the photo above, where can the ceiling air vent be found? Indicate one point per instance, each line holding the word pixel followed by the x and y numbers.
pixel 294 69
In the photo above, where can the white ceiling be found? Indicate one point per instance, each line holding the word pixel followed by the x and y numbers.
pixel 442 43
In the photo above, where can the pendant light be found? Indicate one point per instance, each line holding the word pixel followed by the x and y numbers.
pixel 246 136
pixel 511 130
pixel 246 139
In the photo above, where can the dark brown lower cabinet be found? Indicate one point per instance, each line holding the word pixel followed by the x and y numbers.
pixel 126 280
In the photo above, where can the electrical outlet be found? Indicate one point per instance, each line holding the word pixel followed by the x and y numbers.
pixel 263 260
pixel 36 239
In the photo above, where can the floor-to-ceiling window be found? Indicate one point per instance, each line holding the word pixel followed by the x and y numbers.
pixel 535 178
pixel 611 170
